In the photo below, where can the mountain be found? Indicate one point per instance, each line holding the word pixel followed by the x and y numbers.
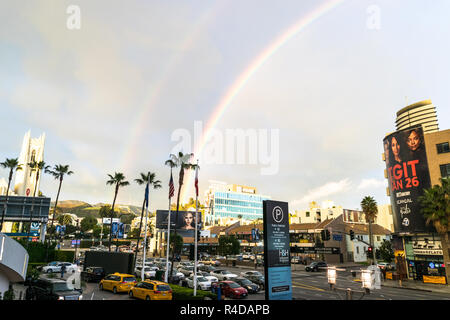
pixel 84 209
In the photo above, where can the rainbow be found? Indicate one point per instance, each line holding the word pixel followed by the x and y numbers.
pixel 246 75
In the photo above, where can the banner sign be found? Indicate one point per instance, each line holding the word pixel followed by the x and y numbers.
pixel 408 176
pixel 185 225
pixel 277 267
pixel 312 250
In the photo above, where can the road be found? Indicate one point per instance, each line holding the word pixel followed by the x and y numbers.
pixel 306 286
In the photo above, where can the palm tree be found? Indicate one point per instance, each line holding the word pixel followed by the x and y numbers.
pixel 182 161
pixel 435 204
pixel 38 166
pixel 119 181
pixel 149 178
pixel 370 210
pixel 58 172
pixel 11 164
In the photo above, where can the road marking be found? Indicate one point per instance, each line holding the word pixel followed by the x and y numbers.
pixel 92 297
pixel 305 286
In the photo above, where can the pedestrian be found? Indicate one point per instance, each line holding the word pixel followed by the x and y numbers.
pixel 63 269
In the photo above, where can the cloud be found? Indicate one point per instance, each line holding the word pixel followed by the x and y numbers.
pixel 372 183
pixel 323 191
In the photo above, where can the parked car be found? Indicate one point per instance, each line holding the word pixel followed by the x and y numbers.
pixel 56 267
pixel 207 268
pixel 255 277
pixel 186 270
pixel 118 282
pixel 210 261
pixel 149 272
pixel 151 290
pixel 205 275
pixel 223 274
pixel 296 260
pixel 93 274
pixel 51 289
pixel 233 290
pixel 316 266
pixel 247 284
pixel 202 283
pixel 386 266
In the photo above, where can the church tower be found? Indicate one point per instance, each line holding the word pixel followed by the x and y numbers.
pixel 32 150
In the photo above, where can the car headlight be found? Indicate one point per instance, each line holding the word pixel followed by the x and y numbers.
pixel 60 298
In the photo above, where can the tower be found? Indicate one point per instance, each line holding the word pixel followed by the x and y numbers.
pixel 32 150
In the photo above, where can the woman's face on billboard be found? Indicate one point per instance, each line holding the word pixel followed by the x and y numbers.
pixel 188 218
pixel 413 141
pixel 395 147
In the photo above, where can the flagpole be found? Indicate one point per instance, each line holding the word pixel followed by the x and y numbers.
pixel 196 223
pixel 166 277
pixel 145 232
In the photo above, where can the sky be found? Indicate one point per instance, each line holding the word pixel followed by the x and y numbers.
pixel 113 92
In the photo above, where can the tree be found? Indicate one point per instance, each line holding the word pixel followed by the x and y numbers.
pixel 370 210
pixel 88 223
pixel 58 172
pixel 386 251
pixel 176 243
pixel 106 212
pixel 38 167
pixel 11 164
pixel 435 205
pixel 182 161
pixel 118 180
pixel 150 179
pixel 65 219
pixel 127 218
pixel 228 245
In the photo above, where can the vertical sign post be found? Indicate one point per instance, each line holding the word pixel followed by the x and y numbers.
pixel 277 266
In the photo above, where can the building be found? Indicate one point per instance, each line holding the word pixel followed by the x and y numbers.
pixel 13 263
pixel 423 112
pixel 228 203
pixel 416 156
pixel 317 213
pixel 32 150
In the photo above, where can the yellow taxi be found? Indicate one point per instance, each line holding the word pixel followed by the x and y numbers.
pixel 118 282
pixel 151 290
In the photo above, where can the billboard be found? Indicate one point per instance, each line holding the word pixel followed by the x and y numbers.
pixel 277 267
pixel 408 176
pixel 185 224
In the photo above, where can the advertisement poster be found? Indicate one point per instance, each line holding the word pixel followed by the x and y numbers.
pixel 277 250
pixel 408 176
pixel 185 225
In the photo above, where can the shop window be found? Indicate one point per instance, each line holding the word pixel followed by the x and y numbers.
pixel 443 147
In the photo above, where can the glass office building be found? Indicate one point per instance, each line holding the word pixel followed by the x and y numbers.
pixel 234 202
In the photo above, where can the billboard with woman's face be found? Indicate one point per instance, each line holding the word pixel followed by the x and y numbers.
pixel 185 224
pixel 408 175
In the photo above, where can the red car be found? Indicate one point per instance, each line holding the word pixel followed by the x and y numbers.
pixel 232 289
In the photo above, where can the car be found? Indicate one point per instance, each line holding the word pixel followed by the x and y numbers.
pixel 232 289
pixel 210 261
pixel 93 274
pixel 118 282
pixel 207 268
pixel 255 277
pixel 186 270
pixel 386 266
pixel 223 274
pixel 316 266
pixel 149 272
pixel 56 267
pixel 202 283
pixel 185 264
pixel 247 284
pixel 296 260
pixel 51 289
pixel 205 275
pixel 151 290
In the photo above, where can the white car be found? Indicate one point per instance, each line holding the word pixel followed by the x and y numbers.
pixel 222 274
pixel 149 272
pixel 251 273
pixel 55 266
pixel 205 275
pixel 202 283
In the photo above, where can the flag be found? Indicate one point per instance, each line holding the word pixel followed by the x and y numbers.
pixel 196 181
pixel 171 187
pixel 146 196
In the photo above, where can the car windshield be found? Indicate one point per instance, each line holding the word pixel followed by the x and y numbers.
pixel 256 273
pixel 129 279
pixel 163 287
pixel 60 287
pixel 234 285
pixel 245 281
pixel 202 279
pixel 226 272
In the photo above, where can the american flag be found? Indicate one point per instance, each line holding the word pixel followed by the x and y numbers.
pixel 196 181
pixel 171 187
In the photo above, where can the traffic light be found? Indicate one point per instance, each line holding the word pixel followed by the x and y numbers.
pixel 327 235
pixel 352 235
pixel 323 235
pixel 370 252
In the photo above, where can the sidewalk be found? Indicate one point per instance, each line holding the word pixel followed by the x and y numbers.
pixel 416 285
